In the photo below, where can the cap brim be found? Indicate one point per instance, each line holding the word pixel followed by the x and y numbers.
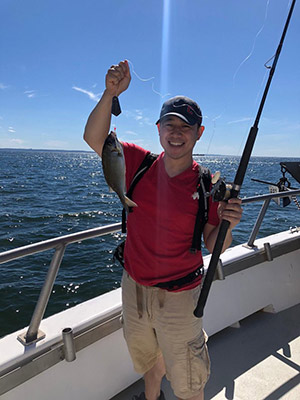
pixel 176 115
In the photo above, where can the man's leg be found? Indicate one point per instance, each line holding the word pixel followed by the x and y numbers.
pixel 183 344
pixel 153 379
pixel 141 337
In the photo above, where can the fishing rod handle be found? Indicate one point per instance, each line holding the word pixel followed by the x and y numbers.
pixel 198 312
pixel 242 168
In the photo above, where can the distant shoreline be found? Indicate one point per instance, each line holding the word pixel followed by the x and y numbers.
pixel 48 150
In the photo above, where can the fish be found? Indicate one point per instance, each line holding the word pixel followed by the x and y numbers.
pixel 113 164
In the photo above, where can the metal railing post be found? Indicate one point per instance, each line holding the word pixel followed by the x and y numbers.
pixel 258 222
pixel 32 333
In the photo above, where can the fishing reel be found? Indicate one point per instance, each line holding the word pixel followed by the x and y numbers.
pixel 220 189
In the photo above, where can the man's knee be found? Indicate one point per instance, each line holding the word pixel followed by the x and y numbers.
pixel 158 371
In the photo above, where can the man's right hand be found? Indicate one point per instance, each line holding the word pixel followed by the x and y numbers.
pixel 118 78
pixel 98 124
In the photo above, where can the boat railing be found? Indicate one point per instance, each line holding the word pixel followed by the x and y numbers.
pixel 266 201
pixel 59 244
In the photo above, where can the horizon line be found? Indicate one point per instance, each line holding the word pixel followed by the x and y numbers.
pixel 92 151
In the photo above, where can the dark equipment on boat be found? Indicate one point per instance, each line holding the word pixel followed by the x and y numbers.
pixel 293 167
pixel 239 177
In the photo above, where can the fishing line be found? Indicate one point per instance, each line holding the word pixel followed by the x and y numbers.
pixel 147 80
pixel 152 78
pixel 254 42
pixel 236 73
pixel 268 67
pixel 259 93
pixel 213 131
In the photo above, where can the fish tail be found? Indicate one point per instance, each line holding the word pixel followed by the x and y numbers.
pixel 129 202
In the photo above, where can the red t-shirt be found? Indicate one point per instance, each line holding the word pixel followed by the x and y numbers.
pixel 160 229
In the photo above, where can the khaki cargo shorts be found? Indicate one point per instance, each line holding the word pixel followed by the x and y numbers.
pixel 160 322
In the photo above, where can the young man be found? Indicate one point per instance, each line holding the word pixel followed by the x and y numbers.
pixel 161 280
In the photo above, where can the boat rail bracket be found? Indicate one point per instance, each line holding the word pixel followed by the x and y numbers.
pixel 69 345
pixel 24 340
pixel 268 251
pixel 219 274
pixel 294 229
pixel 249 246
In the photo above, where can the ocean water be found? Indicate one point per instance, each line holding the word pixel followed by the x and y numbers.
pixel 44 194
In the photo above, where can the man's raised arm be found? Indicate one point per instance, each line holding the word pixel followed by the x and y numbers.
pixel 98 124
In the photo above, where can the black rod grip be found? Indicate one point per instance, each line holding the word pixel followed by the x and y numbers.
pixel 242 168
pixel 198 312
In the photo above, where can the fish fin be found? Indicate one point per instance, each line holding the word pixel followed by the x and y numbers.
pixel 129 202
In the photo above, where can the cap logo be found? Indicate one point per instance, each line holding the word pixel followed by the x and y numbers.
pixel 189 110
pixel 184 107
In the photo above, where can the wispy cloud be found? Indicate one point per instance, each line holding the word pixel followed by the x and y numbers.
pixel 30 93
pixel 2 86
pixel 92 96
pixel 138 115
pixel 238 121
pixel 11 129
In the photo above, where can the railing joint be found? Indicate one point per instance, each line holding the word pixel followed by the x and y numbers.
pixel 26 341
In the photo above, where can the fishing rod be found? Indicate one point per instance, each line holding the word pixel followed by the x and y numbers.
pixel 239 177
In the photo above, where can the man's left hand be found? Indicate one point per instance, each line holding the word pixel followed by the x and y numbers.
pixel 231 211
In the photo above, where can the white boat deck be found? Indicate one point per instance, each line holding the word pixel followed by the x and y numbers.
pixel 258 361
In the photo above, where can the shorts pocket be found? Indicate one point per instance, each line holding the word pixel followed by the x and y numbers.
pixel 198 368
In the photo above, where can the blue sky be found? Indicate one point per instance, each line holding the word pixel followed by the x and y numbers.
pixel 55 54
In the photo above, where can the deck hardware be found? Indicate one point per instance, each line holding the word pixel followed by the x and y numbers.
pixel 269 309
pixel 294 198
pixel 247 246
pixel 22 338
pixel 294 229
pixel 69 345
pixel 235 325
pixel 219 275
pixel 268 251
